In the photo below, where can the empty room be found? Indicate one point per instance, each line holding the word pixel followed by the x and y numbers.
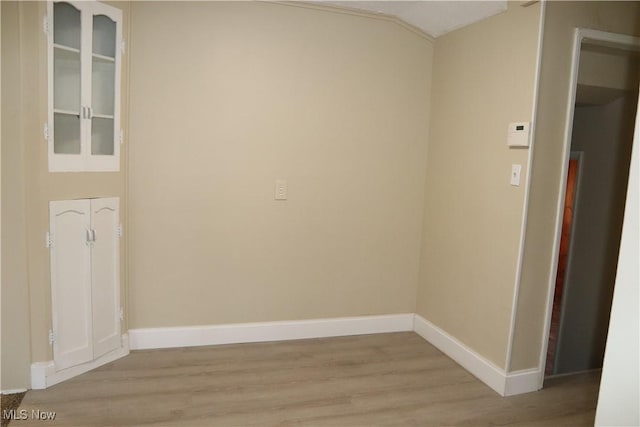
pixel 229 213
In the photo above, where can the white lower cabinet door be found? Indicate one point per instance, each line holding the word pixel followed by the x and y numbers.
pixel 105 275
pixel 70 282
pixel 85 279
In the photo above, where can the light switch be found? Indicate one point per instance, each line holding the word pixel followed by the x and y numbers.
pixel 281 189
pixel 515 174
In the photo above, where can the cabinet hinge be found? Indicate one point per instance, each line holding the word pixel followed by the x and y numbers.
pixel 45 25
pixel 122 47
pixel 121 313
pixel 121 136
pixel 45 131
pixel 119 230
pixel 52 337
pixel 48 240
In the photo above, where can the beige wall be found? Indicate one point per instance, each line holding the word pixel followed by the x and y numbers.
pixel 16 356
pixel 560 20
pixel 232 96
pixel 483 79
pixel 35 185
pixel 609 70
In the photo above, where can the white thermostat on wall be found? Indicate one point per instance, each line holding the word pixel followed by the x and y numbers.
pixel 518 134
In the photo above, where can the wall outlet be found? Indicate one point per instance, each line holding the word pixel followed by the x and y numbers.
pixel 281 189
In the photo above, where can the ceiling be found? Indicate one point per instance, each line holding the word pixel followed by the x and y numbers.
pixel 433 17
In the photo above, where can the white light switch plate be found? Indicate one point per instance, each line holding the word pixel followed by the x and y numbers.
pixel 281 189
pixel 515 174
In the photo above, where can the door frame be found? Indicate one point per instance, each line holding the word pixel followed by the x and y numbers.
pixel 580 36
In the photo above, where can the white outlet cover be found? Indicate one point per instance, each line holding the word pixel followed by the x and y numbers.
pixel 281 189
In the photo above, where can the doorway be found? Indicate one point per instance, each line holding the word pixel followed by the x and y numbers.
pixel 603 120
pixel 563 257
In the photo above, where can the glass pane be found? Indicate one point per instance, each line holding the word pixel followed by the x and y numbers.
pixel 102 136
pixel 66 25
pixel 103 74
pixel 104 36
pixel 66 134
pixel 66 80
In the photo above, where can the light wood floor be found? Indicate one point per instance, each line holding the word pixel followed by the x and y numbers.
pixel 385 379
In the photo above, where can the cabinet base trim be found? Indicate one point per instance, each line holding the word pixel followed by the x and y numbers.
pixel 44 374
pixel 505 384
pixel 13 391
pixel 190 336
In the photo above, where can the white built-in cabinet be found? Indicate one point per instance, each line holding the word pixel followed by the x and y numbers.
pixel 84 56
pixel 84 249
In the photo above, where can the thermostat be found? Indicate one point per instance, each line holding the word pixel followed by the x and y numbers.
pixel 518 134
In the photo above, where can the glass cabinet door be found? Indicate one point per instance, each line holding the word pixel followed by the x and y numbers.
pixel 84 40
pixel 103 73
pixel 66 79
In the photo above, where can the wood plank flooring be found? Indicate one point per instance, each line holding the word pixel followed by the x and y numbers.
pixel 367 380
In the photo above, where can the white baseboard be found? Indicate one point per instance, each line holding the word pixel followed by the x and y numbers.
pixel 44 374
pixel 484 370
pixel 189 336
pixel 495 377
pixel 524 381
pixel 13 391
